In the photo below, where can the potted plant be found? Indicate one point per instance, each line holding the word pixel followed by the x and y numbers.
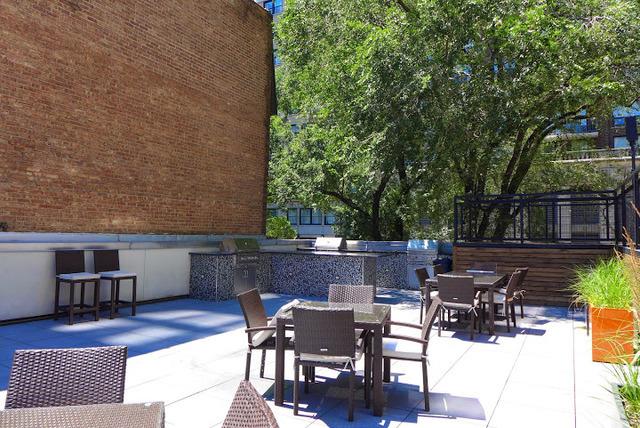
pixel 605 289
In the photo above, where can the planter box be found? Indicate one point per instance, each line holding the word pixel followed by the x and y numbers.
pixel 612 335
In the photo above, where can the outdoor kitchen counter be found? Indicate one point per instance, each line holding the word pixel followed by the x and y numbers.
pixel 309 272
pixel 298 272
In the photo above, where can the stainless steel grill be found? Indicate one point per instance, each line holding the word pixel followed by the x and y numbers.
pixel 245 262
pixel 330 244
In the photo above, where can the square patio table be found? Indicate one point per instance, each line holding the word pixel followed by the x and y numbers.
pixel 142 415
pixel 487 282
pixel 373 318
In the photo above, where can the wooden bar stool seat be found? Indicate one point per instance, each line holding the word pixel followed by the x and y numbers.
pixel 70 270
pixel 107 264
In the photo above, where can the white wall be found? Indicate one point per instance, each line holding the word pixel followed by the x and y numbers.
pixel 27 278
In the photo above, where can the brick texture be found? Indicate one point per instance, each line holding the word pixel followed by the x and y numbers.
pixel 134 116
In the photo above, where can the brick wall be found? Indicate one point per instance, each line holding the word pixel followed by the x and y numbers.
pixel 134 116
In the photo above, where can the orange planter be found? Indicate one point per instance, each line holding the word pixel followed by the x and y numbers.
pixel 612 334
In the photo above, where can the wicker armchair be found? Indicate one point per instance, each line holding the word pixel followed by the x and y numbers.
pixel 339 293
pixel 426 295
pixel 249 410
pixel 489 267
pixel 390 342
pixel 439 269
pixel 324 338
pixel 505 298
pixel 67 377
pixel 260 329
pixel 458 293
pixel 518 294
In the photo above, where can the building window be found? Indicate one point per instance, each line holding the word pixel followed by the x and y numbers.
pixel 305 215
pixel 316 217
pixel 274 6
pixel 620 142
pixel 329 219
pixel 292 215
pixel 272 212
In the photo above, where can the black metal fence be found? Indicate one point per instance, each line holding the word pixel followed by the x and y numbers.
pixel 562 217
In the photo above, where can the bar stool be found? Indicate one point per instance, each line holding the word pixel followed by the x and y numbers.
pixel 70 270
pixel 107 264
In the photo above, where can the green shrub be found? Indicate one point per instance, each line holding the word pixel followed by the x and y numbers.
pixel 280 228
pixel 628 379
pixel 604 285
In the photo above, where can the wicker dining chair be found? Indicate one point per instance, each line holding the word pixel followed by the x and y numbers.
pixel 249 410
pixel 505 298
pixel 67 377
pixel 519 292
pixel 439 269
pixel 390 342
pixel 426 294
pixel 260 329
pixel 106 263
pixel 70 270
pixel 342 293
pixel 490 267
pixel 324 338
pixel 457 292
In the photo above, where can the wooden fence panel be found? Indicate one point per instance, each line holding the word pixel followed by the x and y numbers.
pixel 551 269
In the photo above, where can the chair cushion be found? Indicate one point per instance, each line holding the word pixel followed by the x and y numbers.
pixel 259 337
pixel 115 274
pixel 330 359
pixel 460 306
pixel 78 276
pixel 390 349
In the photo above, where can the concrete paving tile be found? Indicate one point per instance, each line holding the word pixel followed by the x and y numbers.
pixel 527 415
pixel 199 410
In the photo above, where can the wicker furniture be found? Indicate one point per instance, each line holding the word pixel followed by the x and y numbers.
pixel 458 293
pixel 107 264
pixel 373 318
pixel 144 415
pixel 438 270
pixel 70 270
pixel 67 377
pixel 249 410
pixel 484 267
pixel 260 329
pixel 505 298
pixel 486 283
pixel 426 295
pixel 340 293
pixel 324 338
pixel 519 292
pixel 391 341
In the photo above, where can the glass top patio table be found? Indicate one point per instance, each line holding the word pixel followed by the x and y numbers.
pixel 363 314
pixel 480 280
pixel 367 317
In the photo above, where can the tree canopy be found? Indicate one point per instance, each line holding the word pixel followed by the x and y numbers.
pixel 411 102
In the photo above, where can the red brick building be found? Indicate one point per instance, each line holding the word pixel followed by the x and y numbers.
pixel 134 117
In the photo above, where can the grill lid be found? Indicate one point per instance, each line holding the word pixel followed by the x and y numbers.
pixel 330 244
pixel 239 245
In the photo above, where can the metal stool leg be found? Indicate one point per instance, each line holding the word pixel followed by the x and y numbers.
pixel 56 307
pixel 133 296
pixel 72 299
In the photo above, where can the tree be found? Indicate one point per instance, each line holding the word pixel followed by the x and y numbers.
pixel 280 228
pixel 413 100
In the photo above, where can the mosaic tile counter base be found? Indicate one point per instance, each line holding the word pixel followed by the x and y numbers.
pixel 296 273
